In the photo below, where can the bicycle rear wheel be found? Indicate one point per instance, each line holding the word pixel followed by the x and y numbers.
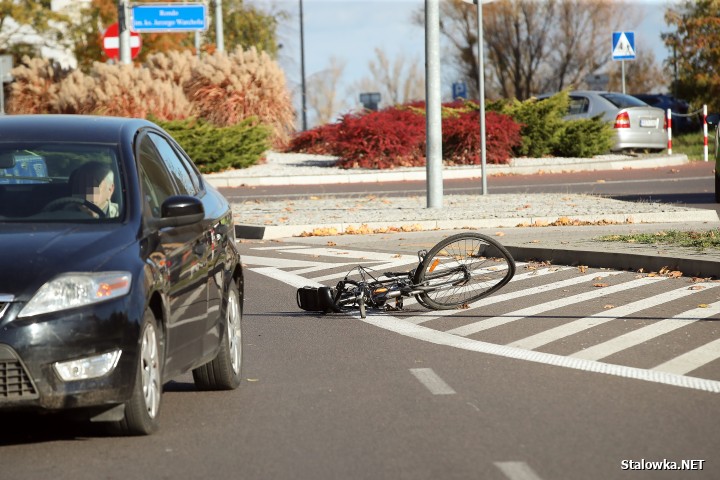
pixel 461 269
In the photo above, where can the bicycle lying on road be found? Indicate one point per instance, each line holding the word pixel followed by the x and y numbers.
pixel 457 271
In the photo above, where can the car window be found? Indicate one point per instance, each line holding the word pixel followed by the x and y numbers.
pixel 175 165
pixel 623 101
pixel 578 105
pixel 156 181
pixel 60 181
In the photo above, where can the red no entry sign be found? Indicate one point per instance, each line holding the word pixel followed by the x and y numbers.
pixel 111 42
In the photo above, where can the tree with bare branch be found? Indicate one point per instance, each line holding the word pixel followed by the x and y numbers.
pixel 322 91
pixel 398 81
pixel 533 46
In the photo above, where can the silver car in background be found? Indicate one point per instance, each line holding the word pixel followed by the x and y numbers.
pixel 638 126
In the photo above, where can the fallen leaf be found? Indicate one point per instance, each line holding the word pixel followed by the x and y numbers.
pixel 582 268
pixel 703 305
pixel 600 285
pixel 608 306
pixel 331 244
pixel 697 287
pixel 253 379
pixel 499 234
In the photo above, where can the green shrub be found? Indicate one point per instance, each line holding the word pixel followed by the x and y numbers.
pixel 541 123
pixel 584 138
pixel 214 149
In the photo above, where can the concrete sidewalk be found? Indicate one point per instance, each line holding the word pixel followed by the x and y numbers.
pixel 522 222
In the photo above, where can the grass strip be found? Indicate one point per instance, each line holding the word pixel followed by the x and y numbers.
pixel 699 240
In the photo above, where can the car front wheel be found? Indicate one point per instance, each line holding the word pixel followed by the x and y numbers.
pixel 223 373
pixel 141 412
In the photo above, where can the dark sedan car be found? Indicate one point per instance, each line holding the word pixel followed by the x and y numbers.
pixel 119 270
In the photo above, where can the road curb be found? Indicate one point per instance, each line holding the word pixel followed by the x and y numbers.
pixel 519 166
pixel 616 260
pixel 273 232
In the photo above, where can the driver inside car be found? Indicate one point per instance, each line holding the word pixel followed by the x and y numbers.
pixel 95 183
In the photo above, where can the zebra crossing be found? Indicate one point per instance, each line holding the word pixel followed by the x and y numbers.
pixel 646 326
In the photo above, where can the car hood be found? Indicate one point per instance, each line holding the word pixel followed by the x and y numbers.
pixel 32 255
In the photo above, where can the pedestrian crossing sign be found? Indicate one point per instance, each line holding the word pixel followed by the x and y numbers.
pixel 623 46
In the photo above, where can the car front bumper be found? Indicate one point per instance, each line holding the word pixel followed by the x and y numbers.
pixel 30 347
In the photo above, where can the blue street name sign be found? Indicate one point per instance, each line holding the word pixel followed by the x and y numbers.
pixel 169 17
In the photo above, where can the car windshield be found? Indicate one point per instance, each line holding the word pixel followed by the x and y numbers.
pixel 60 182
pixel 623 101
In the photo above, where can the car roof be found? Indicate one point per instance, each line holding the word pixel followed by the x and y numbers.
pixel 68 128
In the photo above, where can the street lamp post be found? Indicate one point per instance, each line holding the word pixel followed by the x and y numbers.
pixel 302 70
pixel 481 89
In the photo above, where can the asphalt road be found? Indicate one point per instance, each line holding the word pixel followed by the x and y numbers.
pixel 691 185
pixel 328 397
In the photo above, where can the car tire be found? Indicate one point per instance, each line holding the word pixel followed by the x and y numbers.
pixel 224 372
pixel 141 412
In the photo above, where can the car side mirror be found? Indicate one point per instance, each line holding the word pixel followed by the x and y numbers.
pixel 713 119
pixel 180 210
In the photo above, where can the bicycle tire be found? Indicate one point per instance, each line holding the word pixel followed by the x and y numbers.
pixel 445 270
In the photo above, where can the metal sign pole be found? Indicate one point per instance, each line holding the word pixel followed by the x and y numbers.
pixel 219 36
pixel 481 82
pixel 123 33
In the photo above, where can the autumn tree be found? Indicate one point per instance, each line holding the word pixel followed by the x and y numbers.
pixel 532 46
pixel 322 92
pixel 643 74
pixel 696 46
pixel 246 26
pixel 22 19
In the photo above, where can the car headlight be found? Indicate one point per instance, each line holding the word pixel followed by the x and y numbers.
pixel 72 290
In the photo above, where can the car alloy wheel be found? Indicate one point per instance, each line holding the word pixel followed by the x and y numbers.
pixel 234 332
pixel 150 371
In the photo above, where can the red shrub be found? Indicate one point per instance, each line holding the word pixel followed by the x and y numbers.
pixel 317 141
pixel 461 138
pixel 395 137
pixel 392 137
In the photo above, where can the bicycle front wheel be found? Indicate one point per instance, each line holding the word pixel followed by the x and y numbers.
pixel 461 269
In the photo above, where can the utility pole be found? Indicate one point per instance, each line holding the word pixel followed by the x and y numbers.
pixel 433 105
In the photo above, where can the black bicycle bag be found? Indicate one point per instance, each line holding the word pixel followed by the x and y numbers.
pixel 316 299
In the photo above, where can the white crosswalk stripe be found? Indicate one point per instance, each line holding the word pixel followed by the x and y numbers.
pixel 571 328
pixel 694 359
pixel 552 305
pixel 636 337
pixel 503 297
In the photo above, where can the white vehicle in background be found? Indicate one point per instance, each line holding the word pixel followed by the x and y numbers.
pixel 638 126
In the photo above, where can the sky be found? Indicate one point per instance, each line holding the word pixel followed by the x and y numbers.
pixel 350 30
